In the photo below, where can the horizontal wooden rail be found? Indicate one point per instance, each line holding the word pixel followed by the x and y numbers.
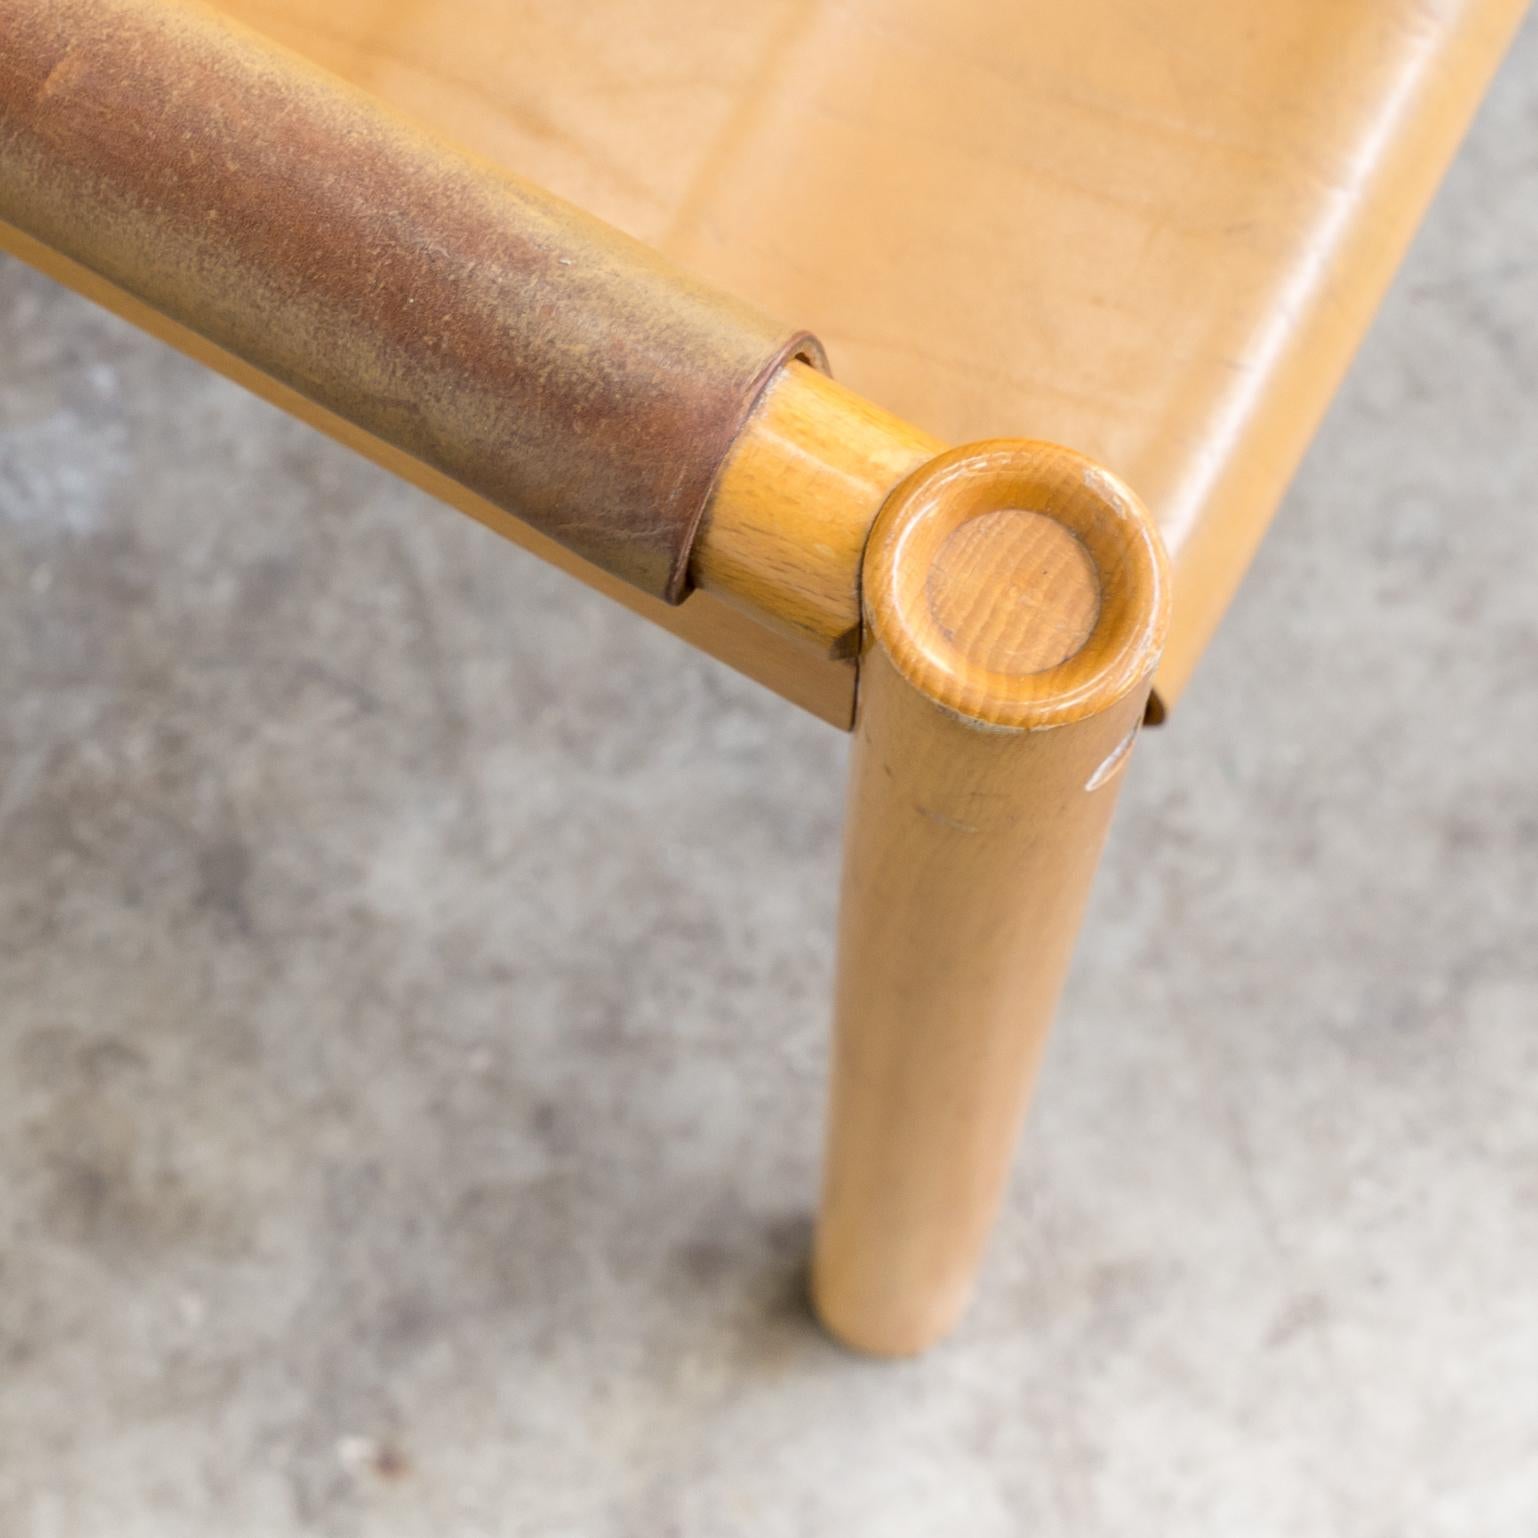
pixel 140 164
pixel 568 374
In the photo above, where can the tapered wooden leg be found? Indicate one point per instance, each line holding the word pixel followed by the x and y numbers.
pixel 1016 599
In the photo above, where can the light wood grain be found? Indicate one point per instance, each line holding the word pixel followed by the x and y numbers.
pixel 1016 601
pixel 784 535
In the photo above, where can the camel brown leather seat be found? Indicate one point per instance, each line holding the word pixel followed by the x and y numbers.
pixel 1152 229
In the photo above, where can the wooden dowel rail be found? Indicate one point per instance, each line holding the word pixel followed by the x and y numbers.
pixel 804 662
pixel 568 374
pixel 355 272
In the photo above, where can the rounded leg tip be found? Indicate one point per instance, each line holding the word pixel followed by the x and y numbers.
pixel 883 1328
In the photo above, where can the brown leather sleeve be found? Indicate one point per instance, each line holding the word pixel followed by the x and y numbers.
pixel 542 359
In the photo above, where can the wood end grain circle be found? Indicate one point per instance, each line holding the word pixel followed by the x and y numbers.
pixel 1017 583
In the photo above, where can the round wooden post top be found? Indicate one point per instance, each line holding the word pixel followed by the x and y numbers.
pixel 1018 583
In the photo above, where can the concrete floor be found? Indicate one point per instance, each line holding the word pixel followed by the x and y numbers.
pixel 411 1056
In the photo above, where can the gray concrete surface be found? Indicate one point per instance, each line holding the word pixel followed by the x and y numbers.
pixel 411 1053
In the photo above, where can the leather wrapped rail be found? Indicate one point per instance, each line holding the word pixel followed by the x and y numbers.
pixel 538 357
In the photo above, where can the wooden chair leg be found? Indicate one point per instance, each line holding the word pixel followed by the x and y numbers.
pixel 1016 599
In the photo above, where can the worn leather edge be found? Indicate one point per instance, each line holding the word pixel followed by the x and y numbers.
pixel 801 346
pixel 566 373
